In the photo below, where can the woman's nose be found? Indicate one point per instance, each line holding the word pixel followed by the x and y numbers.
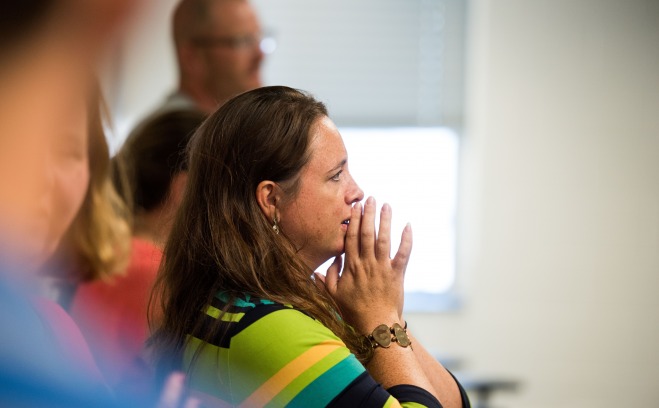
pixel 356 194
pixel 44 184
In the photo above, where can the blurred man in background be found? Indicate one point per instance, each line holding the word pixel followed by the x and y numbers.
pixel 217 44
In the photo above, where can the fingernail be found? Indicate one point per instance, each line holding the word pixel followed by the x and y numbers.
pixel 370 200
pixel 408 226
pixel 386 207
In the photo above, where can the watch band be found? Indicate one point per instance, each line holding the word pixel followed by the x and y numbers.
pixel 383 336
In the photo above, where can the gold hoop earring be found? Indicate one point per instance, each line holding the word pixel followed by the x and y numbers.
pixel 275 227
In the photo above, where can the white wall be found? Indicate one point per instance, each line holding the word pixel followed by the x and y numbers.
pixel 141 70
pixel 559 234
pixel 559 205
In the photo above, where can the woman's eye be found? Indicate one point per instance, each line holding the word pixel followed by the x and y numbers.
pixel 71 154
pixel 337 176
pixel 71 149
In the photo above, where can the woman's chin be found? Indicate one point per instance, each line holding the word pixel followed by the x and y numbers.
pixel 326 260
pixel 339 250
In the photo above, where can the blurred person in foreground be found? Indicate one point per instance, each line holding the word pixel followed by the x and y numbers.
pixel 96 246
pixel 111 310
pixel 42 165
pixel 269 199
pixel 218 54
pixel 45 89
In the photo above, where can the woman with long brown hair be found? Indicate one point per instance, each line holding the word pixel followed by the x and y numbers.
pixel 269 199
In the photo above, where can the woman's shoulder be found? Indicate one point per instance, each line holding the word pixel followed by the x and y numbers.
pixel 242 300
pixel 246 322
pixel 242 307
pixel 245 312
pixel 274 353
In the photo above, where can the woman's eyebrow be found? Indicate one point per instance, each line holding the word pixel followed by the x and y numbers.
pixel 338 166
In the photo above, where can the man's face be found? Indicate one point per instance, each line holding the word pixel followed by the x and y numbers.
pixel 231 50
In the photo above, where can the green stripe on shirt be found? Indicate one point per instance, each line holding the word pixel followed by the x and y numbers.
pixel 328 385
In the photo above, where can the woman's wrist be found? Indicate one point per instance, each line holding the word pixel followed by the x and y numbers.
pixel 366 326
pixel 384 336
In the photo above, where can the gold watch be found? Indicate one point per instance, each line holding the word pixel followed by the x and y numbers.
pixel 384 335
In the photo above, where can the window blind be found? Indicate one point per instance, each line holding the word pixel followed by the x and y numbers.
pixel 373 62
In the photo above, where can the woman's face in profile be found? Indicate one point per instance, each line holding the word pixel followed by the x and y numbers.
pixel 69 167
pixel 316 218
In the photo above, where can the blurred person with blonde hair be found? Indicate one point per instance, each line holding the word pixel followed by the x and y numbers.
pixel 96 246
pixel 111 310
pixel 44 358
pixel 45 86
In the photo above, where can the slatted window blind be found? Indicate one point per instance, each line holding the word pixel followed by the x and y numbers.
pixel 374 62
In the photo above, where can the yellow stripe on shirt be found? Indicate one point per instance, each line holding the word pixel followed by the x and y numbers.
pixel 226 316
pixel 275 384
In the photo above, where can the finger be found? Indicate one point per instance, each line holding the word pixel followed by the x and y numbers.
pixel 383 248
pixel 192 403
pixel 173 390
pixel 332 277
pixel 367 230
pixel 352 236
pixel 399 263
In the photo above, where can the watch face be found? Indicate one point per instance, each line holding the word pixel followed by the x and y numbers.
pixel 401 336
pixel 382 336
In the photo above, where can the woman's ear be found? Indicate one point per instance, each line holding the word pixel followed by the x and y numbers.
pixel 267 197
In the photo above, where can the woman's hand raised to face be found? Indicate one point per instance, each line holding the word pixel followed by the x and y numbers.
pixel 370 289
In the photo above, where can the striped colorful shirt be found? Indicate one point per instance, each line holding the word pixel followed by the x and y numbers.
pixel 268 354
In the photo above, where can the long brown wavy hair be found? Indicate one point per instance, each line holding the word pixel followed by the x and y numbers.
pixel 221 240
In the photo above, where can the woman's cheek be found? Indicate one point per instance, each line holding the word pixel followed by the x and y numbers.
pixel 71 188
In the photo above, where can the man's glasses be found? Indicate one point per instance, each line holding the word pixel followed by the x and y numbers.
pixel 267 44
